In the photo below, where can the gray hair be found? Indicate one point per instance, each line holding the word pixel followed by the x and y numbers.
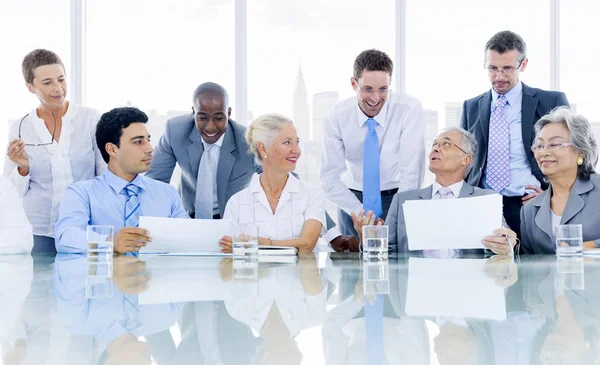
pixel 264 129
pixel 468 143
pixel 581 136
pixel 506 41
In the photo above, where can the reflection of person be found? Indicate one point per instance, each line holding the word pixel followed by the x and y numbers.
pixel 292 298
pixel 122 194
pixel 567 153
pixel 15 229
pixel 287 211
pixel 51 147
pixel 117 321
pixel 502 122
pixel 16 276
pixel 373 143
pixel 451 158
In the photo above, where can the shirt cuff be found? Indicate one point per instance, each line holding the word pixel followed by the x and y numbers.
pixel 332 234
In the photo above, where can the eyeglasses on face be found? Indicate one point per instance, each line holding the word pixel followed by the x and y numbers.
pixel 370 91
pixel 505 70
pixel 538 147
pixel 446 144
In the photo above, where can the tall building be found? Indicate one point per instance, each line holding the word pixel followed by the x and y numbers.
pixel 431 124
pixel 323 104
pixel 453 112
pixel 301 110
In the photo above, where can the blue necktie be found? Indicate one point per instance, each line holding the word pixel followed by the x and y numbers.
pixel 374 330
pixel 371 180
pixel 132 208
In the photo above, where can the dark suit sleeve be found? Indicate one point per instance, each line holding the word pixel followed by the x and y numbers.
pixel 392 222
pixel 561 99
pixel 163 159
pixel 463 117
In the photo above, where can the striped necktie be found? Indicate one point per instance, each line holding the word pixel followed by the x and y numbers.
pixel 132 206
pixel 203 204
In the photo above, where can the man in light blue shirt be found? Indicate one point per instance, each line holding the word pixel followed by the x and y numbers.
pixel 121 195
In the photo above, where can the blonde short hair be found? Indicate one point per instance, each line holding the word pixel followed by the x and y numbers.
pixel 264 129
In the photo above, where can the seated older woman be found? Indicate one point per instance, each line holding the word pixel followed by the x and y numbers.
pixel 567 152
pixel 287 211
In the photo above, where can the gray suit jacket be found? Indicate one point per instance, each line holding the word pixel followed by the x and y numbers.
pixel 181 143
pixel 536 216
pixel 476 119
pixel 395 219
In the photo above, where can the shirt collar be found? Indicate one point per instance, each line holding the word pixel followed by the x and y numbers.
pixel 379 118
pixel 218 143
pixel 118 184
pixel 512 96
pixel 456 187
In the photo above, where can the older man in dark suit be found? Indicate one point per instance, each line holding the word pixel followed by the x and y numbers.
pixel 502 120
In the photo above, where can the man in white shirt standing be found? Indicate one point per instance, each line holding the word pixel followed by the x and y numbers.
pixel 395 159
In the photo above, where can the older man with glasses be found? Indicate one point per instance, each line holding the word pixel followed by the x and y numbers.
pixel 502 119
pixel 451 158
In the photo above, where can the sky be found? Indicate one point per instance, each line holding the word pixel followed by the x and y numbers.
pixel 138 54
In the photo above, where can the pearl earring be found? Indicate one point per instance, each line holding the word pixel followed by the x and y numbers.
pixel 580 160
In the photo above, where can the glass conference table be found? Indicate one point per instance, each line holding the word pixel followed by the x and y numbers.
pixel 326 308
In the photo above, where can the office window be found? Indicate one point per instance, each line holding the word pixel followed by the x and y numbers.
pixel 300 60
pixel 153 54
pixel 580 57
pixel 25 26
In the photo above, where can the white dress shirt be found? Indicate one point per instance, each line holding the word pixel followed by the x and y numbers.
pixel 298 203
pixel 399 128
pixel 15 231
pixel 54 167
pixel 215 152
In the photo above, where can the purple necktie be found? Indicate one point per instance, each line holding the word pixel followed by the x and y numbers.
pixel 498 162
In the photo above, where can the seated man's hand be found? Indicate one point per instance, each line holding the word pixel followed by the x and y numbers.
pixel 131 239
pixel 226 244
pixel 343 243
pixel 498 242
pixel 130 275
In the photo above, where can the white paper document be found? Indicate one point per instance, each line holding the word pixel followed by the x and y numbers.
pixel 185 236
pixel 451 223
pixel 453 288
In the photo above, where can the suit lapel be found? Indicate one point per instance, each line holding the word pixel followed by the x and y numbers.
pixel 226 162
pixel 426 193
pixel 195 150
pixel 484 116
pixel 575 203
pixel 466 190
pixel 543 217
pixel 529 105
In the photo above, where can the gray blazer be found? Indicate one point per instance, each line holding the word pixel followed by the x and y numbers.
pixel 395 219
pixel 181 143
pixel 536 216
pixel 476 119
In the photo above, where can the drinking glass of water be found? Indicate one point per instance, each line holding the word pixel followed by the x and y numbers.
pixel 245 242
pixel 569 239
pixel 100 240
pixel 375 242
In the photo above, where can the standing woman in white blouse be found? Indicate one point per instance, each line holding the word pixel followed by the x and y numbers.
pixel 287 211
pixel 51 147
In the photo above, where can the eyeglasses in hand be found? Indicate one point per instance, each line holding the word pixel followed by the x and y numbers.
pixel 38 144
